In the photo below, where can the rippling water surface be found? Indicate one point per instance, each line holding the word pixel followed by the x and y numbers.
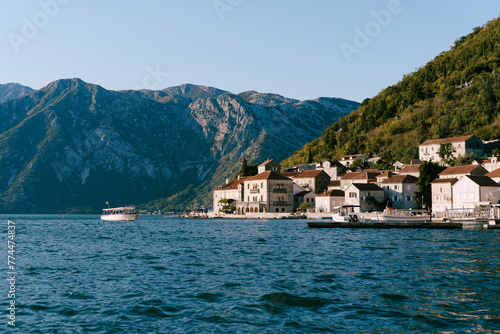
pixel 157 275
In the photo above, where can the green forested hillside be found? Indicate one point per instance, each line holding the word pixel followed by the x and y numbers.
pixel 455 94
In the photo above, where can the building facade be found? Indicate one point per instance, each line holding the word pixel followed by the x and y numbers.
pixel 267 192
pixel 365 196
pixel 400 189
pixel 328 200
pixel 473 190
pixel 460 146
pixel 442 194
pixel 313 180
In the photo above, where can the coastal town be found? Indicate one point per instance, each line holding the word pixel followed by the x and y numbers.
pixel 317 189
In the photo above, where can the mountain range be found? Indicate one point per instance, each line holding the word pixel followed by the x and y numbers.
pixel 72 146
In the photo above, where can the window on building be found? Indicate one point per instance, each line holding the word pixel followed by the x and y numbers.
pixel 408 198
pixel 396 187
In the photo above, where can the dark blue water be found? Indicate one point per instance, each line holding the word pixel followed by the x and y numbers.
pixel 157 275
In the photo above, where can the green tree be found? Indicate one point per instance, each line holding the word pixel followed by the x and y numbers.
pixel 246 169
pixel 446 152
pixel 466 159
pixel 428 172
pixel 309 156
pixel 304 206
pixel 496 152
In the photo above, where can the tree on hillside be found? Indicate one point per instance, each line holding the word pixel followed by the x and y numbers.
pixel 446 152
pixel 309 156
pixel 466 159
pixel 428 172
pixel 246 169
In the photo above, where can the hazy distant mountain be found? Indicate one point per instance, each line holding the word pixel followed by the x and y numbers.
pixel 73 145
pixel 13 90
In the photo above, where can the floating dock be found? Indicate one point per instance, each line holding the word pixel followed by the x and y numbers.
pixel 387 225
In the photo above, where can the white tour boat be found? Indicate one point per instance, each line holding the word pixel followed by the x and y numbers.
pixel 125 213
pixel 403 215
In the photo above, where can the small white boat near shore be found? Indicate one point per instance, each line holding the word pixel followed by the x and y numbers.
pixel 341 214
pixel 124 213
pixel 403 215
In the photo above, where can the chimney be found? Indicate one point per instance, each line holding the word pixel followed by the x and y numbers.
pixel 238 177
pixel 227 181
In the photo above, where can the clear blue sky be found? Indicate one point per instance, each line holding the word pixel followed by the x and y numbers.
pixel 299 49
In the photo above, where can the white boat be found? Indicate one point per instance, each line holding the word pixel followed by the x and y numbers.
pixel 125 213
pixel 403 215
pixel 341 214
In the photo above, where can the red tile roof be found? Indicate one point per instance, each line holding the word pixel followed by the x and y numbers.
pixel 361 176
pixel 410 169
pixel 446 140
pixel 332 193
pixel 460 169
pixel 400 179
pixel 495 173
pixel 232 184
pixel 309 174
pixel 269 175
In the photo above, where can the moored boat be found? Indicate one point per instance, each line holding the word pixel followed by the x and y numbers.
pixel 403 215
pixel 344 213
pixel 125 213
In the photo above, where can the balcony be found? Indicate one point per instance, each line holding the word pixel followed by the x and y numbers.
pixel 276 190
pixel 254 191
pixel 280 203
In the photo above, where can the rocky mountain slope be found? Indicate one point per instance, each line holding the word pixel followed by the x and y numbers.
pixel 12 91
pixel 71 146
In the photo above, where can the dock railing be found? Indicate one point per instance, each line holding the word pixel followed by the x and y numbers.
pixel 480 213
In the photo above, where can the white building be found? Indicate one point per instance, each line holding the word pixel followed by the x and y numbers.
pixel 442 194
pixel 460 146
pixel 400 189
pixel 459 172
pixel 327 201
pixel 473 190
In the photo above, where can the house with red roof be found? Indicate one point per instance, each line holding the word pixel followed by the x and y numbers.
pixel 474 190
pixel 442 194
pixel 413 170
pixel 495 175
pixel 227 195
pixel 400 189
pixel 459 172
pixel 326 201
pixel 313 180
pixel 266 192
pixel 460 146
pixel 358 177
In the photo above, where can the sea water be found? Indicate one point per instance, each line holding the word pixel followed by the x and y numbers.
pixel 77 274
